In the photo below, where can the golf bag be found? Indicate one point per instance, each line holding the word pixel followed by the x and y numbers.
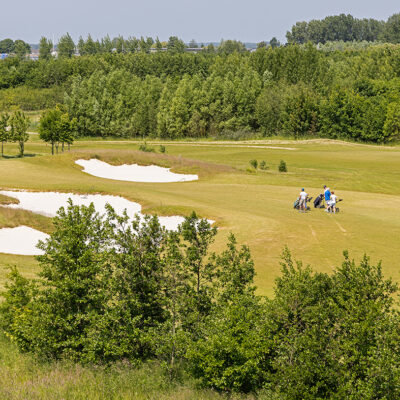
pixel 318 202
pixel 296 204
pixel 330 208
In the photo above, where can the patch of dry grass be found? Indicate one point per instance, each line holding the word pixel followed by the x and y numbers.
pixel 11 218
pixel 177 164
pixel 5 200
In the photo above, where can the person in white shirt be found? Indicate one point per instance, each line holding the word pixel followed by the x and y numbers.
pixel 303 200
pixel 333 201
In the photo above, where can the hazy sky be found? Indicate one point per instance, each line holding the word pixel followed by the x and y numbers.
pixel 206 20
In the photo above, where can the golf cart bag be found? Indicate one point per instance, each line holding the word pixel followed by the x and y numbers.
pixel 318 202
pixel 296 204
pixel 330 208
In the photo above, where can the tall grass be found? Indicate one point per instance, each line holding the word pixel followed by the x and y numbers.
pixel 23 377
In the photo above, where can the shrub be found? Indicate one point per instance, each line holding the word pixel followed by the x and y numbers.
pixel 254 163
pixel 144 147
pixel 162 149
pixel 282 166
pixel 231 356
pixel 263 165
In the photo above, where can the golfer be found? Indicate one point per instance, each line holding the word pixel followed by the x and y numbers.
pixel 333 201
pixel 327 196
pixel 303 200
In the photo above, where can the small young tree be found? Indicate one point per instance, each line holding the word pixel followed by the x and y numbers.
pixel 19 123
pixel 282 166
pixel 4 133
pixel 45 46
pixel 254 163
pixel 66 46
pixel 197 235
pixel 57 127
pixel 263 165
pixel 68 130
pixel 49 127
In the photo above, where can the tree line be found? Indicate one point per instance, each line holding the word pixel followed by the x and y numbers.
pixel 122 289
pixel 347 28
pixel 296 90
pixel 17 47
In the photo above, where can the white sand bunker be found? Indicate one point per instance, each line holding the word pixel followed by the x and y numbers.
pixel 133 172
pixel 21 240
pixel 48 203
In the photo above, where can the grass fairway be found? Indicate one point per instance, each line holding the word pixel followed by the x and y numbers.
pixel 256 207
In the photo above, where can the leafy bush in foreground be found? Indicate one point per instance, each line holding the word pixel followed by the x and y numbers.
pixel 121 289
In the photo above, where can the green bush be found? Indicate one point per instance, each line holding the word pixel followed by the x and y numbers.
pixel 29 99
pixel 148 149
pixel 282 166
pixel 263 165
pixel 254 163
pixel 162 149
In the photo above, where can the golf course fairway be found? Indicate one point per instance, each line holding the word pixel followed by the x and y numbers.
pixel 256 205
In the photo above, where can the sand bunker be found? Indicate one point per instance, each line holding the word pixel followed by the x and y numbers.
pixel 133 172
pixel 21 240
pixel 48 203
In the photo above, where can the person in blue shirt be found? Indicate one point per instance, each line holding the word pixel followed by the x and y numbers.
pixel 327 195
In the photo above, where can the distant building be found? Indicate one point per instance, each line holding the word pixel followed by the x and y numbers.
pixel 193 50
pixel 34 55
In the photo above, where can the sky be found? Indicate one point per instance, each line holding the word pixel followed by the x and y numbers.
pixel 204 21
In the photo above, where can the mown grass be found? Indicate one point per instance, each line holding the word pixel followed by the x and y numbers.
pixel 256 207
pixel 23 377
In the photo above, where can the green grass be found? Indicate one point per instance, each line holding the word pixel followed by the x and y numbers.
pixel 256 207
pixel 23 377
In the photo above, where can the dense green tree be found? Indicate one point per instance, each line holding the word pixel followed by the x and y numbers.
pixel 7 46
pixel 269 110
pixel 55 127
pixel 158 44
pixel 274 42
pixel 175 45
pixel 19 124
pixel 391 30
pixel 45 48
pixel 106 45
pixel 4 131
pixel 231 46
pixel 66 46
pixel 391 128
pixel 81 46
pixel 300 112
pixel 21 49
pixel 333 28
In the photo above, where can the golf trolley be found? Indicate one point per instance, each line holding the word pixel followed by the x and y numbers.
pixel 296 204
pixel 319 202
pixel 330 207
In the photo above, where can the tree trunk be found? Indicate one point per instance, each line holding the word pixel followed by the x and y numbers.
pixel 21 148
pixel 52 148
pixel 2 152
pixel 69 146
pixel 62 147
